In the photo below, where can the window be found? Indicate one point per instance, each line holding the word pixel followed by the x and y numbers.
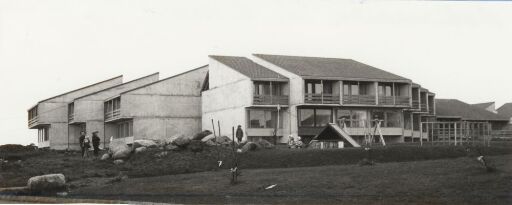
pixel 314 117
pixel 353 118
pixel 125 129
pixel 355 88
pixel 344 116
pixel 263 119
pixel 389 118
pixel 261 88
pixel 43 134
pixel 385 90
pixel 313 87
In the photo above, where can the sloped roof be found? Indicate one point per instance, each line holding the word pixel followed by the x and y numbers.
pixel 316 67
pixel 120 76
pixel 505 110
pixel 456 108
pixel 249 68
pixel 115 86
pixel 483 105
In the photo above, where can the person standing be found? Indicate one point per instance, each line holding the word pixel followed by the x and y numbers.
pixel 95 143
pixel 239 133
pixel 81 140
pixel 87 145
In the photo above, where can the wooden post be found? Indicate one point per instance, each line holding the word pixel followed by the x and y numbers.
pixel 421 132
pixel 455 124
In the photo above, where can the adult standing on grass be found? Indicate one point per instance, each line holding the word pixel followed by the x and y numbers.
pixel 95 143
pixel 239 133
pixel 81 140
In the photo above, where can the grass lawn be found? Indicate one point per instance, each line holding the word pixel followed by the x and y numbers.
pixel 446 181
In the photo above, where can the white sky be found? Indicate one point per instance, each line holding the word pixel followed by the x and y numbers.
pixel 458 50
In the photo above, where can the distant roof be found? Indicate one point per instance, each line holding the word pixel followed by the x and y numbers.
pixel 120 76
pixel 249 68
pixel 316 67
pixel 483 105
pixel 505 110
pixel 450 108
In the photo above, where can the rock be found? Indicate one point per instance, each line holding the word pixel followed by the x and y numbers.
pixel 117 145
pixel 196 146
pixel 181 141
pixel 210 143
pixel 118 161
pixel 161 154
pixel 249 146
pixel 224 140
pixel 201 135
pixel 266 144
pixel 171 147
pixel 105 156
pixel 122 153
pixel 170 140
pixel 144 143
pixel 47 183
pixel 208 138
pixel 140 149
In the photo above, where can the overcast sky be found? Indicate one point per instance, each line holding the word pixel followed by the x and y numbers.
pixel 456 49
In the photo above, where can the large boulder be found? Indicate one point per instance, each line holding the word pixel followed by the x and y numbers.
pixel 265 144
pixel 224 140
pixel 144 143
pixel 140 150
pixel 116 145
pixel 249 146
pixel 47 183
pixel 201 135
pixel 210 143
pixel 181 141
pixel 208 138
pixel 122 152
pixel 171 147
pixel 118 161
pixel 105 157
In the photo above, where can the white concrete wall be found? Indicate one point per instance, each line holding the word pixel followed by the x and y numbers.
pixel 221 74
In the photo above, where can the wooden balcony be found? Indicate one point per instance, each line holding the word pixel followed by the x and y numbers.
pixel 33 122
pixel 386 100
pixel 415 104
pixel 402 100
pixel 112 115
pixel 321 98
pixel 424 107
pixel 270 100
pixel 359 99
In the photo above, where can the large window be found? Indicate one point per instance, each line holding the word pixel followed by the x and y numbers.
pixel 263 119
pixel 318 87
pixel 385 89
pixel 352 118
pixel 125 129
pixel 389 118
pixel 314 117
pixel 43 134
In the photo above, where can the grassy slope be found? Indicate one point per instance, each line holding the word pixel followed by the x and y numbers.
pixel 448 181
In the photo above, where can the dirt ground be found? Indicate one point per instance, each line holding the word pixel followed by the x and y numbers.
pixel 447 181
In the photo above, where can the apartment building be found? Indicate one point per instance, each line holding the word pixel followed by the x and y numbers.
pixel 50 116
pixel 157 110
pixel 86 113
pixel 453 110
pixel 274 96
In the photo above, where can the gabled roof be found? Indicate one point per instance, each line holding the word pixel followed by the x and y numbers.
pixel 326 68
pixel 249 68
pixel 450 108
pixel 505 110
pixel 483 105
pixel 120 76
pixel 115 86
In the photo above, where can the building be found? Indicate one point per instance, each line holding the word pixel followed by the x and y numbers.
pixel 86 113
pixel 506 111
pixel 274 96
pixel 50 116
pixel 157 110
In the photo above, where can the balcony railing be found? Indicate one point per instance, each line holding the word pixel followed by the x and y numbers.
pixel 431 111
pixel 321 98
pixel 270 100
pixel 34 121
pixel 359 99
pixel 424 107
pixel 386 100
pixel 402 100
pixel 71 117
pixel 415 104
pixel 112 115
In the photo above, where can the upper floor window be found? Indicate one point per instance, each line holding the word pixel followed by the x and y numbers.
pixel 385 90
pixel 267 88
pixel 318 87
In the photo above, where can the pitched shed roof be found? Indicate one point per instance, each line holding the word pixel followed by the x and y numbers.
pixel 316 67
pixel 505 110
pixel 452 108
pixel 483 105
pixel 249 68
pixel 117 77
pixel 115 86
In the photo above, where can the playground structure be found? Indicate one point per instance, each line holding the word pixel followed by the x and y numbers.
pixel 456 133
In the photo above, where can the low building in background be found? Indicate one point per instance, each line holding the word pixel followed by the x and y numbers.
pixel 86 113
pixel 50 116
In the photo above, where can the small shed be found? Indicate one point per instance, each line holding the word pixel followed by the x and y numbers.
pixel 332 137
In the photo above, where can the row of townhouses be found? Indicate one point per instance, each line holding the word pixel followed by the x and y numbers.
pixel 270 96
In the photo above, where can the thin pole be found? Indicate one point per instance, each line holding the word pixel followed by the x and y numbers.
pixel 421 133
pixel 455 134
